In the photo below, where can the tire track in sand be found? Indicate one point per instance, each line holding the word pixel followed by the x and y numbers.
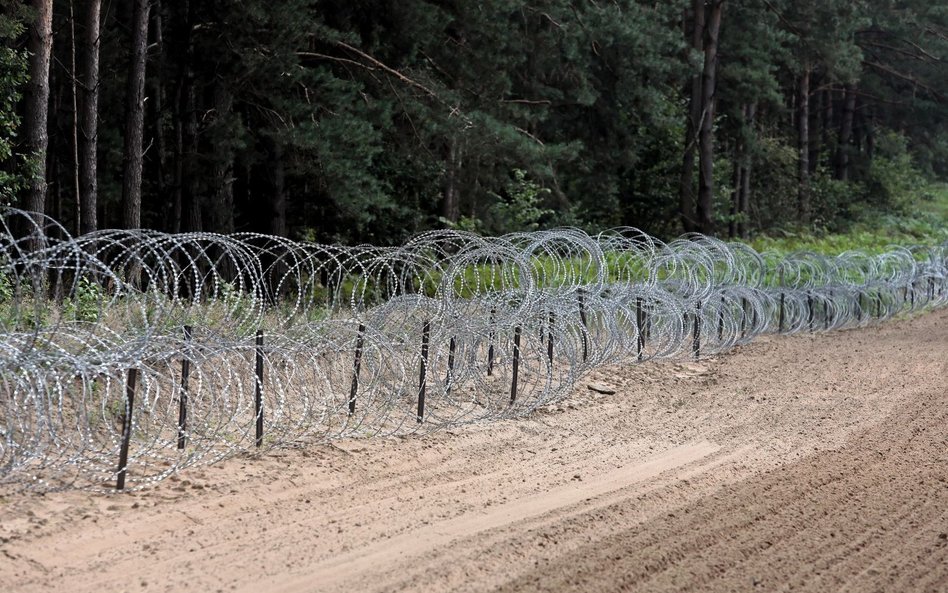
pixel 387 553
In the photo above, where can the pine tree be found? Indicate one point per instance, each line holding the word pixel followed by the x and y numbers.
pixel 35 119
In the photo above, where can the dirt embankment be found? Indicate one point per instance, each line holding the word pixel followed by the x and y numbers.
pixel 814 463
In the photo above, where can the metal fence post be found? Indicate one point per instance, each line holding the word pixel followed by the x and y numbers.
pixel 516 366
pixel 127 421
pixel 183 397
pixel 423 370
pixel 356 367
pixel 258 392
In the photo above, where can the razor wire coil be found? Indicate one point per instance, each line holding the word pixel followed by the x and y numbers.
pixel 362 341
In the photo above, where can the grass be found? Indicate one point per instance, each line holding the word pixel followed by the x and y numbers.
pixel 937 205
pixel 924 222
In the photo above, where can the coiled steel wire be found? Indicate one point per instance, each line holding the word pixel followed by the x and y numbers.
pixel 362 341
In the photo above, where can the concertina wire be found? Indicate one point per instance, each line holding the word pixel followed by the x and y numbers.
pixel 140 353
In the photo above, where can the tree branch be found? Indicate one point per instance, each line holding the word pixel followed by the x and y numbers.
pixel 784 20
pixel 936 33
pixel 527 101
pixel 921 50
pixel 388 69
pixel 318 56
pixel 888 70
pixel 920 57
pixel 531 136
pixel 855 91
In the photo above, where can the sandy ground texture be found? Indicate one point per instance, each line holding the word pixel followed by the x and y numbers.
pixel 804 463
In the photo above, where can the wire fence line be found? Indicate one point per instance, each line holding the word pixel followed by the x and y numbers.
pixel 127 356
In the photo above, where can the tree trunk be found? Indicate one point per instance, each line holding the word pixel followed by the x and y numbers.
pixel 737 185
pixel 55 132
pixel 745 194
pixel 827 140
pixel 135 119
pixel 224 196
pixel 278 191
pixel 89 121
pixel 186 208
pixel 803 143
pixel 156 106
pixel 706 134
pixel 816 132
pixel 177 197
pixel 223 206
pixel 451 200
pixel 686 192
pixel 74 88
pixel 188 180
pixel 845 134
pixel 36 112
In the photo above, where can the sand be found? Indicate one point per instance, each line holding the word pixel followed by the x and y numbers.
pixel 805 463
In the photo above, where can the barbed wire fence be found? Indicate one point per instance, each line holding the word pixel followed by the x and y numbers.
pixel 127 356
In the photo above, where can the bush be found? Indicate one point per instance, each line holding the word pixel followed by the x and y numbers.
pixel 893 183
pixel 831 201
pixel 520 209
pixel 774 184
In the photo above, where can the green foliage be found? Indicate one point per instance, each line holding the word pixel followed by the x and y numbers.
pixel 469 224
pixel 86 303
pixel 14 171
pixel 774 185
pixel 20 307
pixel 933 202
pixel 892 182
pixel 351 120
pixel 922 223
pixel 906 48
pixel 755 43
pixel 6 289
pixel 520 208
pixel 831 201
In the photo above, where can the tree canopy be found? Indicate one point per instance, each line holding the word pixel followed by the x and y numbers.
pixel 369 120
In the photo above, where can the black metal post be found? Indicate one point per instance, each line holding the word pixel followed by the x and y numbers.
pixel 858 307
pixel 582 319
pixel 490 343
pixel 183 398
pixel 809 309
pixel 356 367
pixel 639 328
pixel 549 343
pixel 130 382
pixel 696 333
pixel 780 324
pixel 516 366
pixel 830 300
pixel 743 317
pixel 721 321
pixel 423 370
pixel 452 348
pixel 258 392
pixel 647 322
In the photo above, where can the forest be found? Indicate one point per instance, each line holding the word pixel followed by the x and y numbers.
pixel 371 120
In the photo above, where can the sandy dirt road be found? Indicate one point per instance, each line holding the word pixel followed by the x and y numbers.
pixel 803 463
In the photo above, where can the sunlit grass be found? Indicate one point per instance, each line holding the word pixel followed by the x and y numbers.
pixel 925 223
